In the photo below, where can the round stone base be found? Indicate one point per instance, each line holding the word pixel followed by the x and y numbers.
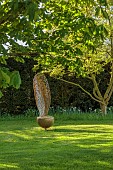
pixel 45 121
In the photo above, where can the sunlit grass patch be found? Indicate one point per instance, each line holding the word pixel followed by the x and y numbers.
pixel 8 166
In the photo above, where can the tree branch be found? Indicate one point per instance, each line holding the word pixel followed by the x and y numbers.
pixel 94 92
pixel 108 53
pixel 23 54
pixel 109 90
pixel 109 96
pixel 96 87
pixel 78 85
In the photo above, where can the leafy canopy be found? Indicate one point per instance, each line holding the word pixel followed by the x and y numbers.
pixel 17 26
pixel 76 31
pixel 55 34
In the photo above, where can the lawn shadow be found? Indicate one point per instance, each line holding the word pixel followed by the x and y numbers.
pixel 64 147
pixel 76 129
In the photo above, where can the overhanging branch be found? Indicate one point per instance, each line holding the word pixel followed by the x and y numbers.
pixel 32 54
pixel 78 85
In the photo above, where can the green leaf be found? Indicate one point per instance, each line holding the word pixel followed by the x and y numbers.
pixel 5 76
pixel 15 79
pixel 3 60
pixel 19 59
pixel 2 49
pixel 97 11
pixel 105 31
pixel 16 5
pixel 1 94
pixel 78 51
pixel 104 13
pixel 31 11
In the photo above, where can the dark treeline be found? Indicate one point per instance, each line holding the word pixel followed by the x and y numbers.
pixel 62 94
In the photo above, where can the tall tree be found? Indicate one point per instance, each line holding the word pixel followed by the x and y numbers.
pixel 63 35
pixel 80 42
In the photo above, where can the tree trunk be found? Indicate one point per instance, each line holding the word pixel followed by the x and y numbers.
pixel 103 108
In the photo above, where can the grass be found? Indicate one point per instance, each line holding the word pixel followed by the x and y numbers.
pixel 75 142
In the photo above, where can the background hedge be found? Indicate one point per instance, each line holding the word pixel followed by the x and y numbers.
pixel 63 94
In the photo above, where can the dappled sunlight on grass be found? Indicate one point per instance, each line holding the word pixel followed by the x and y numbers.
pixel 75 132
pixel 104 163
pixel 8 166
pixel 64 146
pixel 18 134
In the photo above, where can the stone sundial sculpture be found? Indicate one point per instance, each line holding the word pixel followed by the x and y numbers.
pixel 43 99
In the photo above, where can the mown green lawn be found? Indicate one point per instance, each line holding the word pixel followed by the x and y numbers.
pixel 68 145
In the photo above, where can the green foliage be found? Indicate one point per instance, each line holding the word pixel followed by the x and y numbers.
pixel 15 79
pixel 8 78
pixel 68 36
pixel 45 26
pixel 76 33
pixel 17 23
pixel 19 100
pixel 62 94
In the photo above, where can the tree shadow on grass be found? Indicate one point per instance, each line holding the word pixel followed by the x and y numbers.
pixel 78 131
pixel 59 155
pixel 68 147
pixel 88 128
